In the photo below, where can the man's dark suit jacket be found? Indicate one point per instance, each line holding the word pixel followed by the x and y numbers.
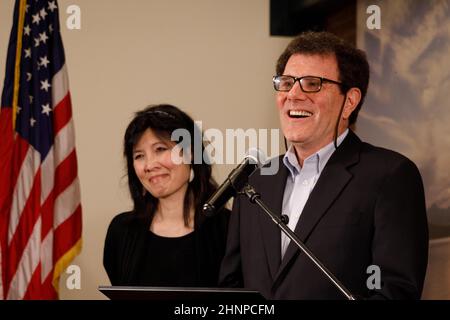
pixel 367 208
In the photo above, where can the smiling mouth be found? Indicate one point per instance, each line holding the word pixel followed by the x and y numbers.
pixel 299 114
pixel 157 177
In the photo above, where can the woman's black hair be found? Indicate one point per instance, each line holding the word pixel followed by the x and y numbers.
pixel 163 119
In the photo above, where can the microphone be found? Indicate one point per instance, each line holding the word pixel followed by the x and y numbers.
pixel 234 182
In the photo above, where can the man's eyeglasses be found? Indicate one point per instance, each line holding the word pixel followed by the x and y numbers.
pixel 307 83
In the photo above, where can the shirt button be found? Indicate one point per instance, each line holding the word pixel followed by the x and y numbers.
pixel 305 182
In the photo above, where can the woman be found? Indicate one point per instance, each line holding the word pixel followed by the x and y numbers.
pixel 165 240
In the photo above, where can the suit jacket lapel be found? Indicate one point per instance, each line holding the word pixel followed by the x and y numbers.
pixel 333 179
pixel 272 191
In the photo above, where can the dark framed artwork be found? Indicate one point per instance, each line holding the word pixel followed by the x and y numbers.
pixel 407 108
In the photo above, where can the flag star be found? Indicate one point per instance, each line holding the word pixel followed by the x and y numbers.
pixel 27 30
pixel 27 7
pixel 45 85
pixel 32 122
pixel 50 27
pixel 44 61
pixel 36 42
pixel 28 76
pixel 43 13
pixel 31 99
pixel 43 37
pixel 18 109
pixel 46 109
pixel 36 18
pixel 27 53
pixel 52 6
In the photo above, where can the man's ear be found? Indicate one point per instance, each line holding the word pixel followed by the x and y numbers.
pixel 353 97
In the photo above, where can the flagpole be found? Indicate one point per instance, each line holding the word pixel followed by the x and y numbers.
pixel 22 7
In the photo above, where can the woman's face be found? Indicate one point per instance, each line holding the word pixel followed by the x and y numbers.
pixel 155 168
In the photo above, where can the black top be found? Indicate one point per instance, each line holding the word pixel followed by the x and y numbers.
pixel 133 256
pixel 169 261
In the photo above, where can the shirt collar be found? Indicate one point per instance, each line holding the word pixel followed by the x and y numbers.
pixel 317 160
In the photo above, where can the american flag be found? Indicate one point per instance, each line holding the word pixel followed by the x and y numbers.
pixel 40 210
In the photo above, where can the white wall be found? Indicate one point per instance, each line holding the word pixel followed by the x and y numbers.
pixel 214 59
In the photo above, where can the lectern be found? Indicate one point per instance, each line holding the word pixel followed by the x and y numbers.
pixel 180 294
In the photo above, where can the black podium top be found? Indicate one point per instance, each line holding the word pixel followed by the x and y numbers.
pixel 179 293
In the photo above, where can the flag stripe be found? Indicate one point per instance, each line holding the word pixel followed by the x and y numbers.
pixel 62 114
pixel 66 203
pixel 47 214
pixel 28 263
pixel 22 191
pixel 1 274
pixel 64 144
pixel 11 169
pixel 47 255
pixel 6 148
pixel 24 228
pixel 67 232
pixel 60 85
pixel 48 175
pixel 68 165
pixel 34 285
pixel 6 155
pixel 47 289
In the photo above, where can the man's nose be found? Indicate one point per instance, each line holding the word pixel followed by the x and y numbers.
pixel 296 92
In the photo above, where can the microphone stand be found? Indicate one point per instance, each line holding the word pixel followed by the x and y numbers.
pixel 254 197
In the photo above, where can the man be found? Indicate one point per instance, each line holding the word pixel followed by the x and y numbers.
pixel 360 209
